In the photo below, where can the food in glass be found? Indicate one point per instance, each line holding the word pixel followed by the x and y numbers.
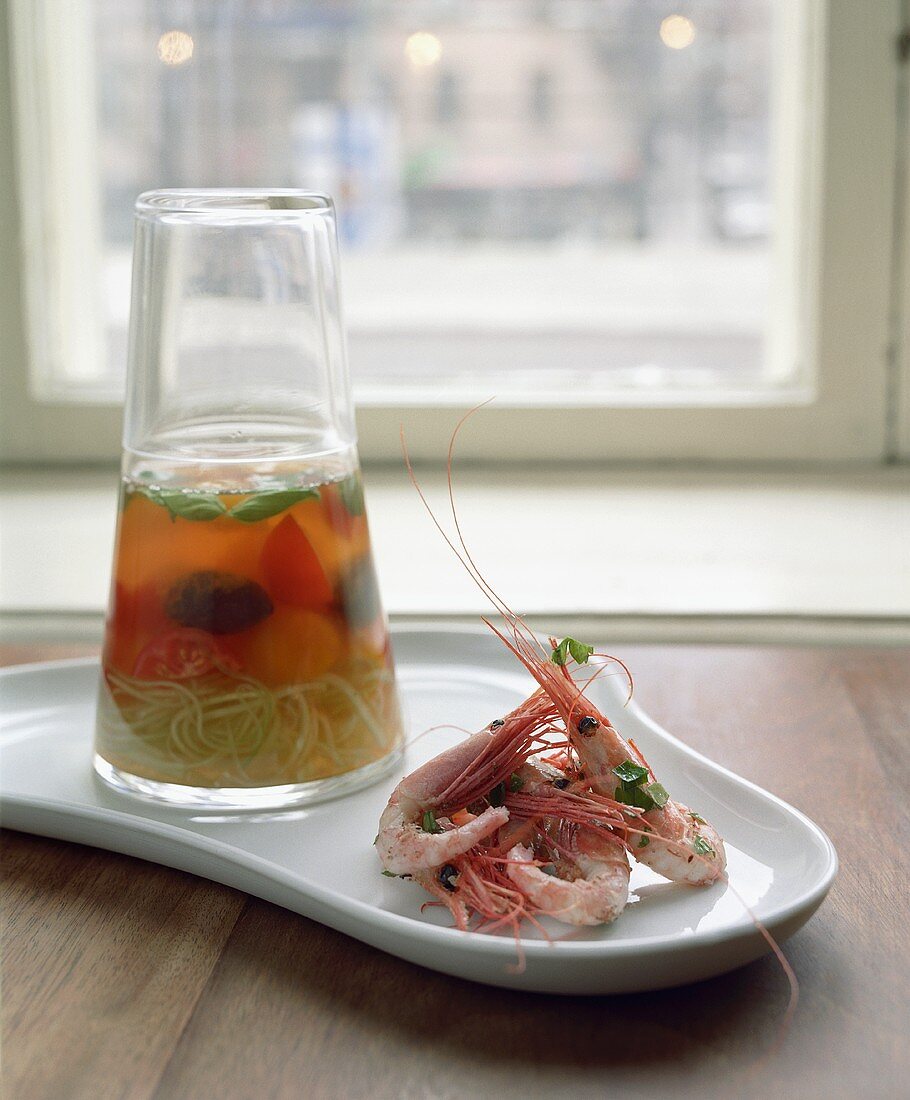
pixel 246 644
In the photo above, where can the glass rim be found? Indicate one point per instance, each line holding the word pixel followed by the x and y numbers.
pixel 218 202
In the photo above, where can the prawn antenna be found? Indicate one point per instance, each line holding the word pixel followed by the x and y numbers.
pixel 515 621
pixel 525 642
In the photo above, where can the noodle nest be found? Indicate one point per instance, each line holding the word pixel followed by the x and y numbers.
pixel 224 730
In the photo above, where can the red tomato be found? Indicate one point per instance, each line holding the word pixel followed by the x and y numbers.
pixel 293 573
pixel 136 615
pixel 181 654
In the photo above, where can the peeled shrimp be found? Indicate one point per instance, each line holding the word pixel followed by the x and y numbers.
pixel 404 847
pixel 452 780
pixel 672 841
pixel 589 883
pixel 599 893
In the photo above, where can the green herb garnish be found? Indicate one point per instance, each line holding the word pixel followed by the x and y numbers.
pixel 515 782
pixel 632 795
pixel 571 647
pixel 265 505
pixel 644 841
pixel 702 846
pixel 389 874
pixel 658 793
pixel 632 790
pixel 630 773
pixel 429 822
pixel 697 817
pixel 351 490
pixel 199 507
pixel 497 796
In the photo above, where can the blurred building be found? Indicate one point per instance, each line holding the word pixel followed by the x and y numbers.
pixel 449 120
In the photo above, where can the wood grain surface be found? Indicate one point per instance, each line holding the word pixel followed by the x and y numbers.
pixel 124 979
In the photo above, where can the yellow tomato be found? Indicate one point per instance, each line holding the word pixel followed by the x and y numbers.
pixel 291 646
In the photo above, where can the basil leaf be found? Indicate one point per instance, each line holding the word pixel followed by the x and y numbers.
pixel 580 652
pixel 201 506
pixel 631 795
pixel 630 772
pixel 659 793
pixel 702 846
pixel 198 507
pixel 265 505
pixel 351 490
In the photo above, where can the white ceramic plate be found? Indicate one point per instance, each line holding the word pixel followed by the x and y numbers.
pixel 319 861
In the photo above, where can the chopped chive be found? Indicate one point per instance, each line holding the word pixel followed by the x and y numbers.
pixel 697 817
pixel 429 822
pixel 644 841
pixel 388 874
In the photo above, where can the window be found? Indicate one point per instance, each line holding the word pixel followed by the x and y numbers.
pixel 542 111
pixel 448 98
pixel 665 228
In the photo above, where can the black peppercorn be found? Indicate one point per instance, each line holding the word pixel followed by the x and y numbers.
pixel 496 723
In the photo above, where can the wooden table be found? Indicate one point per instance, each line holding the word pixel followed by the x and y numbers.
pixel 124 979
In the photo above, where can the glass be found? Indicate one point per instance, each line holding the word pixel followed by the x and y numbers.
pixel 246 660
pixel 509 171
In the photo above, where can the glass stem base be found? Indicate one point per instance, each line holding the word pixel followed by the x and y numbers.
pixel 244 798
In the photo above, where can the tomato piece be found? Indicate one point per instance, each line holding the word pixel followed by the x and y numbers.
pixel 292 646
pixel 136 615
pixel 182 654
pixel 293 572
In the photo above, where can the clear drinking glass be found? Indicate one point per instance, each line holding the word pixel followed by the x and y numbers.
pixel 246 659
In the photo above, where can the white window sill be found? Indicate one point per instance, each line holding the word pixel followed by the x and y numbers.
pixel 637 555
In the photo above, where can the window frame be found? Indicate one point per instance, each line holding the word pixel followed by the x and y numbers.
pixel 847 143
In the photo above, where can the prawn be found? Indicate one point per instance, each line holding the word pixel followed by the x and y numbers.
pixel 535 864
pixel 566 814
pixel 415 831
pixel 588 884
pixel 672 840
pixel 576 869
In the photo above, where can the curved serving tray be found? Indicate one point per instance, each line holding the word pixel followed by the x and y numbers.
pixel 319 860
